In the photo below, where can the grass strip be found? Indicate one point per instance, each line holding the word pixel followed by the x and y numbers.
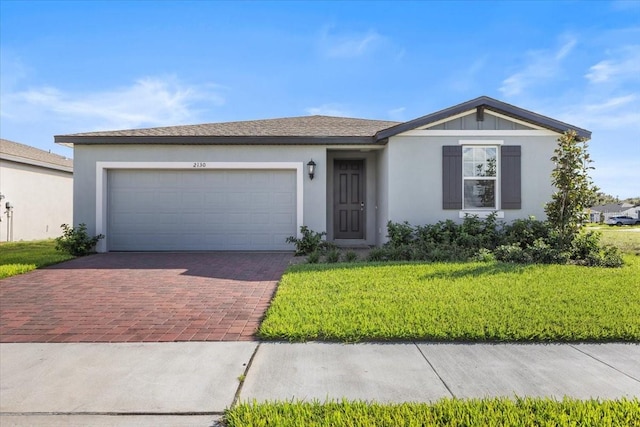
pixel 456 302
pixel 20 257
pixel 523 412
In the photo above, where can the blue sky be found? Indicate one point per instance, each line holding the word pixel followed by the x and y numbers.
pixel 69 67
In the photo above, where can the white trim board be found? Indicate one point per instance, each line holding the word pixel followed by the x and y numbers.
pixel 103 167
pixel 480 142
pixel 486 112
pixel 477 133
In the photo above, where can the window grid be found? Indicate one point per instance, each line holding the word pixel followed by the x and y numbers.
pixel 480 177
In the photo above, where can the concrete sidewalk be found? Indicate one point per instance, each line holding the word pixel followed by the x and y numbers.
pixel 192 383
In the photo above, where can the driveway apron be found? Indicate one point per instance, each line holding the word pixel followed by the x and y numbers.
pixel 142 297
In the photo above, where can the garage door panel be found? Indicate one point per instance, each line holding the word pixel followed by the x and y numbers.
pixel 282 199
pixel 201 210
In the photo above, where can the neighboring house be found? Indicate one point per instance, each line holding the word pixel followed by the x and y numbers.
pixel 604 212
pixel 39 186
pixel 246 185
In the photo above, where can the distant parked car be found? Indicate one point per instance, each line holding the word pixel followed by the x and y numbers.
pixel 622 220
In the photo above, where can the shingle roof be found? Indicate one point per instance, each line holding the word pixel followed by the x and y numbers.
pixel 303 130
pixel 612 207
pixel 312 126
pixel 22 153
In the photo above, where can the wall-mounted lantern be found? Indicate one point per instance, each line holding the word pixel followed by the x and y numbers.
pixel 311 166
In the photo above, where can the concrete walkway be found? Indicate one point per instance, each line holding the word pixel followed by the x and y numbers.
pixel 191 383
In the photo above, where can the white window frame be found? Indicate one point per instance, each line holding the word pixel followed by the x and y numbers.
pixel 482 212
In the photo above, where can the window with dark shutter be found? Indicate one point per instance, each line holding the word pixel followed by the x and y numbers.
pixel 481 177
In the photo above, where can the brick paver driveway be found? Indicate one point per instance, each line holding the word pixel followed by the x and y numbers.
pixel 141 297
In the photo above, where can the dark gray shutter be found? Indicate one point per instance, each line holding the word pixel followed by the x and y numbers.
pixel 452 177
pixel 510 181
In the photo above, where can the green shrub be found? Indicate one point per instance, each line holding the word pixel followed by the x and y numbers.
pixel 611 257
pixel 378 254
pixel 310 241
pixel 313 257
pixel 543 253
pixel 525 232
pixel 512 253
pixel 483 255
pixel 522 241
pixel 399 234
pixel 350 256
pixel 76 241
pixel 333 256
pixel 586 246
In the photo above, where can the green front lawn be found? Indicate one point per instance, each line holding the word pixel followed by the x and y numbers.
pixel 456 302
pixel 626 238
pixel 446 412
pixel 20 257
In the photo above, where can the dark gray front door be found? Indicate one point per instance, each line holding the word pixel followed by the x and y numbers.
pixel 348 199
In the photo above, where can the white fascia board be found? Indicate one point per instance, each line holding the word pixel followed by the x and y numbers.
pixel 356 147
pixel 480 142
pixel 31 162
pixel 103 167
pixel 478 133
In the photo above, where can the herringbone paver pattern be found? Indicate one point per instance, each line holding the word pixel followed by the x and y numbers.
pixel 142 297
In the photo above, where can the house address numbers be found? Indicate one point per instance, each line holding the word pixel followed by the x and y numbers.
pixel 199 164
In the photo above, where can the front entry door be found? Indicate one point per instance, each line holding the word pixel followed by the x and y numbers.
pixel 348 199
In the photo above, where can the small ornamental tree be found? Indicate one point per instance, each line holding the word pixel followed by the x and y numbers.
pixel 574 189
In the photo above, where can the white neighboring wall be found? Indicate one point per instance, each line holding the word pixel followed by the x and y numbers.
pixel 42 199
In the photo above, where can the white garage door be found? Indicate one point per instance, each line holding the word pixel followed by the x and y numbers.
pixel 156 210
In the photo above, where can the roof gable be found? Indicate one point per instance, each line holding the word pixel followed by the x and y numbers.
pixel 479 106
pixel 21 153
pixel 489 121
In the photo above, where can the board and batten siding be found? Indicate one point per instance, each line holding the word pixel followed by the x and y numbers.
pixel 469 122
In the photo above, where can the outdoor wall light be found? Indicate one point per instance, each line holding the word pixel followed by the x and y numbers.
pixel 311 166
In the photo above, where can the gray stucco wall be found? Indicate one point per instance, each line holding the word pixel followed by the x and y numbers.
pixel 383 195
pixel 415 175
pixel 42 200
pixel 86 156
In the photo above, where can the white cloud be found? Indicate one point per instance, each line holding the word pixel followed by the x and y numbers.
pixel 350 45
pixel 336 110
pixel 540 65
pixel 625 65
pixel 614 113
pixel 612 103
pixel 148 102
